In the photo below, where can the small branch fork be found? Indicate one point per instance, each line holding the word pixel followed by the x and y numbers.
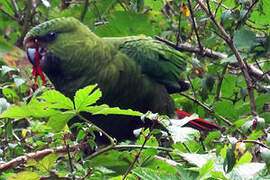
pixel 229 42
pixel 63 150
pixel 211 54
pixel 137 155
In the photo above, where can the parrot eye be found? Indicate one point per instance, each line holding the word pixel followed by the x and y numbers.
pixel 50 36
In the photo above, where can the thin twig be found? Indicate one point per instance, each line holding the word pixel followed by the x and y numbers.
pixel 211 111
pixel 36 155
pixel 178 39
pixel 97 129
pixel 195 26
pixel 254 142
pixel 101 151
pixel 220 82
pixel 219 5
pixel 241 63
pixel 69 158
pixel 248 11
pixel 208 53
pixel 187 47
pixel 122 5
pixel 137 155
pixel 192 87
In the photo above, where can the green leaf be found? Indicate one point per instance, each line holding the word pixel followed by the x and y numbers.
pixel 117 26
pixel 57 100
pixel 112 159
pixel 225 108
pixel 246 158
pixel 83 98
pixel 229 161
pixel 119 111
pixel 47 162
pixel 81 135
pixel 180 133
pixel 58 121
pixel 151 174
pixel 95 109
pixel 40 109
pixel 16 112
pixel 244 39
pixel 205 171
pixel 25 175
pixel 211 136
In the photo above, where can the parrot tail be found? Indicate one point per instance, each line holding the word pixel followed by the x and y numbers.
pixel 199 124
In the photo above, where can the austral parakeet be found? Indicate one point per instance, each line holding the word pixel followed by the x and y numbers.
pixel 134 72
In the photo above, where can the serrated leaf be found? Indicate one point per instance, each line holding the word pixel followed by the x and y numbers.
pixel 31 162
pixel 16 112
pixel 112 159
pixel 40 109
pixel 57 100
pixel 83 98
pixel 116 110
pixel 80 135
pixel 47 162
pixel 58 121
pixel 95 109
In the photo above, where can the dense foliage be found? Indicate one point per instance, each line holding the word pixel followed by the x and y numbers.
pixel 227 44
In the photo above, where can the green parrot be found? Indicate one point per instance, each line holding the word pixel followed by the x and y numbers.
pixel 134 72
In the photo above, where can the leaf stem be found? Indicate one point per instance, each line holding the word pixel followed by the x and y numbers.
pixel 112 142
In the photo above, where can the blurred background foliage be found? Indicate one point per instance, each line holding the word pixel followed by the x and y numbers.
pixel 216 82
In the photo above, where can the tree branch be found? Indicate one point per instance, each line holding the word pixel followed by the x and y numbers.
pixel 241 63
pixel 36 155
pixel 189 48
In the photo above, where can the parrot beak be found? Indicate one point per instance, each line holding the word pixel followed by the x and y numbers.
pixel 31 55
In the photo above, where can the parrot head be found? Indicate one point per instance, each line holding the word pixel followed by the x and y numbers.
pixel 46 39
pixel 52 45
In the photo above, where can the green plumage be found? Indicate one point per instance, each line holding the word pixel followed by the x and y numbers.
pixel 132 72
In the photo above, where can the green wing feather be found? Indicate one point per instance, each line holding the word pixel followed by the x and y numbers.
pixel 158 61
